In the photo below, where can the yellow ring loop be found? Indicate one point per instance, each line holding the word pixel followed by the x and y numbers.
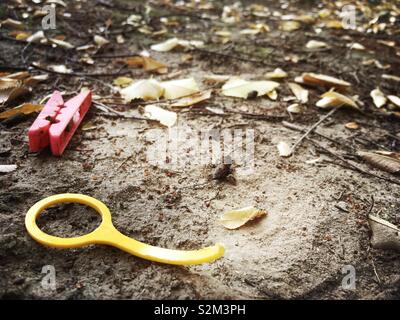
pixel 107 234
pixel 48 240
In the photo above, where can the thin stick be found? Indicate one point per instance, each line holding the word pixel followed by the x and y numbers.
pixel 346 163
pixel 78 74
pixel 312 128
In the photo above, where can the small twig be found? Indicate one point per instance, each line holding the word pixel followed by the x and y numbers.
pixel 312 128
pixel 82 74
pixel 346 163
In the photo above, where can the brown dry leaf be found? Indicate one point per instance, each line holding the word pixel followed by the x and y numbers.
pixel 148 64
pixel 11 23
pixel 387 161
pixel 20 35
pixel 234 219
pixel 332 99
pixel 352 125
pixel 323 81
pixel 25 108
pixel 193 99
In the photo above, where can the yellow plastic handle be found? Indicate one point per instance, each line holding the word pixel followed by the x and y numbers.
pixel 107 234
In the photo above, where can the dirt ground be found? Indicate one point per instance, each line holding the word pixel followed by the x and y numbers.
pixel 317 213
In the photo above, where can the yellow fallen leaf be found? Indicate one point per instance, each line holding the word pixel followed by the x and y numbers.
pixel 142 89
pixel 333 99
pixel 240 88
pixel 122 81
pixel 234 219
pixel 165 117
pixel 290 25
pixel 25 108
pixel 193 99
pixel 174 89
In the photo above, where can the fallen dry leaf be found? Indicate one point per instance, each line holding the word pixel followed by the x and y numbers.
pixel 148 64
pixel 395 100
pixel 314 44
pixel 352 125
pixel 100 41
pixel 290 25
pixel 7 168
pixel 300 93
pixel 193 99
pixel 240 88
pixel 332 99
pixel 284 149
pixel 25 108
pixel 165 117
pixel 295 108
pixel 234 219
pixel 322 80
pixel 378 97
pixel 278 73
pixel 172 43
pixel 143 89
pixel 122 81
pixel 174 89
pixel 387 161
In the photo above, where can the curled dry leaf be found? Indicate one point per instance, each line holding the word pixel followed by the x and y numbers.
pixel 387 161
pixel 313 44
pixel 395 100
pixel 295 108
pixel 240 88
pixel 193 99
pixel 172 43
pixel 36 37
pixel 352 125
pixel 332 99
pixel 285 150
pixel 166 45
pixel 322 80
pixel 11 23
pixel 165 117
pixel 142 89
pixel 216 78
pixel 300 93
pixel 278 73
pixel 179 88
pixel 25 108
pixel 61 43
pixel 7 168
pixel 234 219
pixel 356 46
pixel 148 64
pixel 100 41
pixel 378 97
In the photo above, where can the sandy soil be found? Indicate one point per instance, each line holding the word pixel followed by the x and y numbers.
pixel 297 251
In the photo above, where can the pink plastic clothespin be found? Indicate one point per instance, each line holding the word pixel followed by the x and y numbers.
pixel 57 122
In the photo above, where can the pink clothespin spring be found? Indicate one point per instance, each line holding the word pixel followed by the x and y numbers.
pixel 58 121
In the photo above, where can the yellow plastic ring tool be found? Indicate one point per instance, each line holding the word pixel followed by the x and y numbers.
pixel 107 234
